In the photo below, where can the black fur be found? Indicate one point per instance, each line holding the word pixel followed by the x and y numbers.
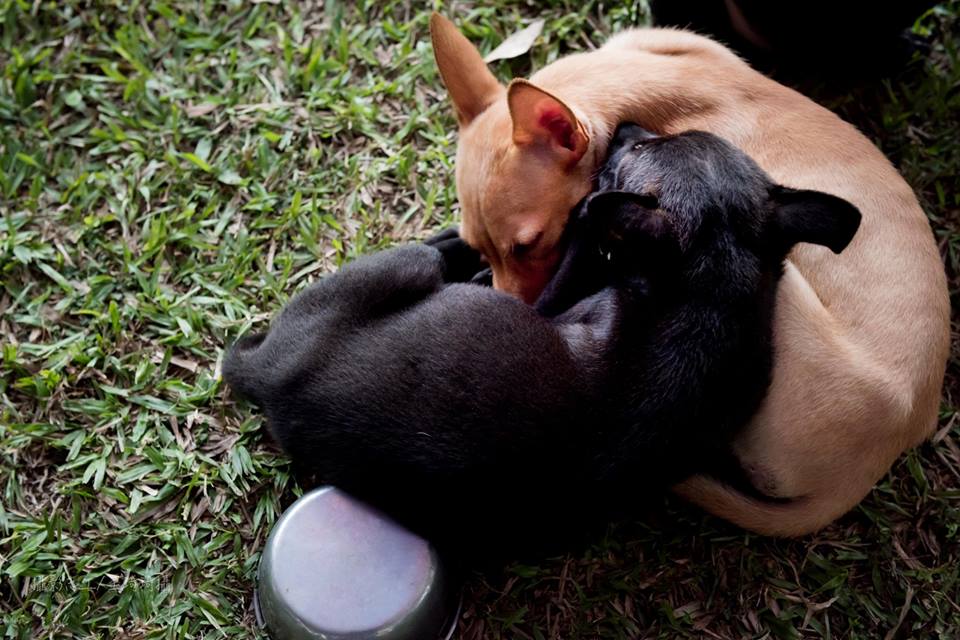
pixel 471 416
pixel 700 367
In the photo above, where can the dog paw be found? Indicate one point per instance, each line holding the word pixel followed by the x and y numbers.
pixel 451 233
pixel 462 263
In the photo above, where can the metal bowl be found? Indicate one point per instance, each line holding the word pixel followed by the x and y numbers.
pixel 336 569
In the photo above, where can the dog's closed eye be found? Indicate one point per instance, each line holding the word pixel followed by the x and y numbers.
pixel 526 243
pixel 521 249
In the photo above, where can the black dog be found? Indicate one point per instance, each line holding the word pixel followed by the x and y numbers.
pixel 460 410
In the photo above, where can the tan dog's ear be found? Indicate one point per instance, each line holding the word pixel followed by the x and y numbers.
pixel 471 86
pixel 540 118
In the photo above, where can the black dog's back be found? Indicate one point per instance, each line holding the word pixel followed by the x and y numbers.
pixel 440 403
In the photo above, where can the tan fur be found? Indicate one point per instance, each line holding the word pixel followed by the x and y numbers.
pixel 861 338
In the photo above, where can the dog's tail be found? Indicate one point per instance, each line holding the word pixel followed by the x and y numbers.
pixel 787 518
pixel 242 367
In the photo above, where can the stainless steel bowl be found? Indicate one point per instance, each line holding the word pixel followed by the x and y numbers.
pixel 336 569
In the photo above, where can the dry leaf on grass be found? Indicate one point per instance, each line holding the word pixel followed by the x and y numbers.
pixel 197 110
pixel 516 44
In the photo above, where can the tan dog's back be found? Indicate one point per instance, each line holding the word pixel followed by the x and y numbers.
pixel 861 339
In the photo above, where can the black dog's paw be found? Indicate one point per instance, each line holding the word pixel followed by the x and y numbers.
pixel 451 233
pixel 484 278
pixel 462 263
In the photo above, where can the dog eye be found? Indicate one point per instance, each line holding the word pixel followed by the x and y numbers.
pixel 521 249
pixel 527 244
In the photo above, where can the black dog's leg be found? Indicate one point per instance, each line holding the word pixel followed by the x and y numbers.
pixel 590 326
pixel 450 233
pixel 581 274
pixel 462 263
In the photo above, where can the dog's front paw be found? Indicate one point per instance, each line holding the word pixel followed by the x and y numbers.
pixel 462 263
pixel 484 277
pixel 451 233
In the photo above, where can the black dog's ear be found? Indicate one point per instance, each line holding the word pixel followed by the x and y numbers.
pixel 815 217
pixel 622 216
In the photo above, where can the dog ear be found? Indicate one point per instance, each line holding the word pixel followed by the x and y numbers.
pixel 628 219
pixel 471 86
pixel 541 118
pixel 815 217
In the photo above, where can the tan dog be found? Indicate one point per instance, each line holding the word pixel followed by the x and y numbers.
pixel 861 338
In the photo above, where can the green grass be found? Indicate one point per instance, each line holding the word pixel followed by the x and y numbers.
pixel 171 172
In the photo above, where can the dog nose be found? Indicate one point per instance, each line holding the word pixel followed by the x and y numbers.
pixel 629 133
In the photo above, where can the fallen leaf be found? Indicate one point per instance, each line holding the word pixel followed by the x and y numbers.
pixel 517 44
pixel 197 110
pixel 184 363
